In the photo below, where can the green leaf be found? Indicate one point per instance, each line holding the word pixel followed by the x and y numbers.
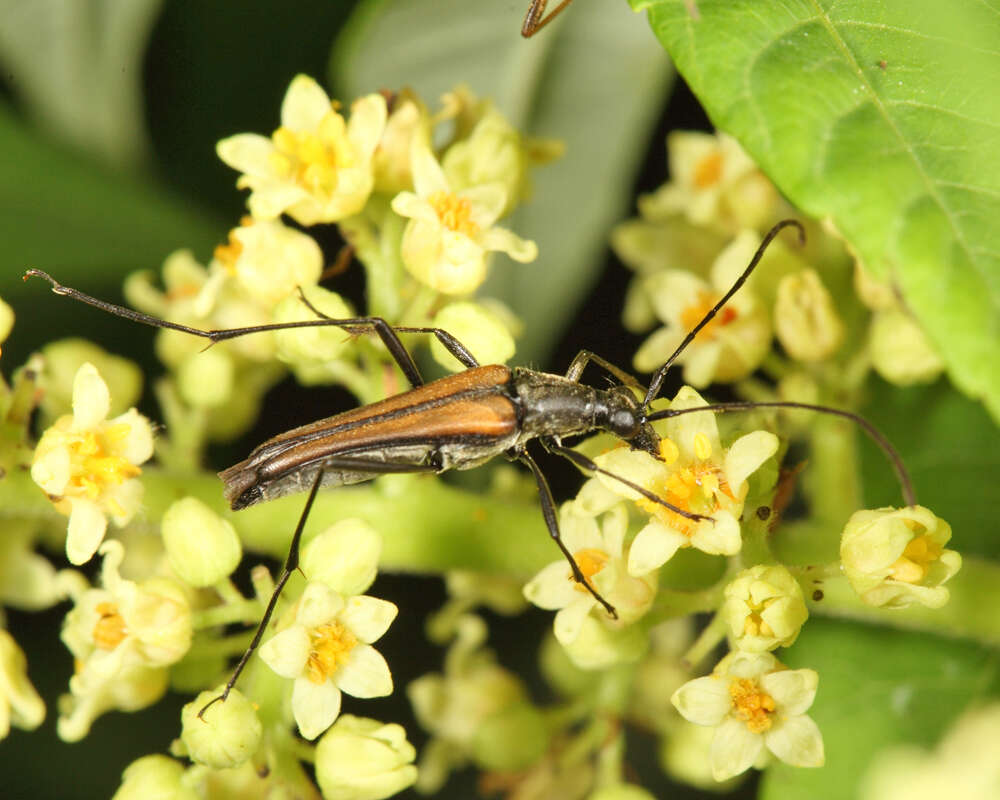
pixel 877 687
pixel 78 68
pixel 883 117
pixel 952 450
pixel 594 79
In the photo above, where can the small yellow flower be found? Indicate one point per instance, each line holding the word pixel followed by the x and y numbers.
pixel 450 232
pixel 695 474
pixel 122 637
pixel 327 650
pixel 755 704
pixel 316 167
pixel 714 183
pixel 897 557
pixel 89 465
pixel 732 344
pixel 600 552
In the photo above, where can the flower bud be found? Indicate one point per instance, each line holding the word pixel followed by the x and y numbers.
pixel 310 345
pixel 363 759
pixel 805 319
pixel 764 608
pixel 202 547
pixel 226 735
pixel 876 295
pixel 344 556
pixel 20 704
pixel 896 558
pixel 480 330
pixel 900 351
pixel 62 360
pixel 512 739
pixel 154 778
pixel 205 379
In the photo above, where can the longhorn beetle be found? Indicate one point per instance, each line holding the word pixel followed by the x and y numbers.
pixel 459 422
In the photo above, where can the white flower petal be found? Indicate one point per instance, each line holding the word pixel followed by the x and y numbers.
pixel 315 706
pixel 657 348
pixel 569 620
pixel 703 701
pixel 407 204
pixel 428 177
pixel 287 651
pixel 368 617
pixel 700 364
pixel 553 587
pixel 51 469
pixel 137 446
pixel 364 674
pixel 747 454
pixel 734 749
pixel 318 604
pixel 305 104
pixel 521 250
pixel 719 536
pixel 653 547
pixel 672 292
pixel 249 153
pixel 792 689
pixel 91 398
pixel 271 198
pixel 796 741
pixel 487 202
pixel 368 118
pixel 685 429
pixel 87 525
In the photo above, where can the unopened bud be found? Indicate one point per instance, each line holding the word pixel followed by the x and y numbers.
pixel 805 319
pixel 226 735
pixel 202 547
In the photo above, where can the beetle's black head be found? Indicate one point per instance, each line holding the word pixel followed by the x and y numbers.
pixel 624 418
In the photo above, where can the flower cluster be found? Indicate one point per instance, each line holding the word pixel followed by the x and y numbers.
pixel 685 519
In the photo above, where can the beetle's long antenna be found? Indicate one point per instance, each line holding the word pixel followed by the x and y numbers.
pixel 909 495
pixel 657 382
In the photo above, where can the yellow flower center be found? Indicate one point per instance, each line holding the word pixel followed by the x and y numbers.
pixel 227 254
pixel 696 312
pixel 454 212
pixel 313 158
pixel 752 704
pixel 755 624
pixel 692 487
pixel 94 466
pixel 708 171
pixel 331 644
pixel 110 628
pixel 590 560
pixel 912 566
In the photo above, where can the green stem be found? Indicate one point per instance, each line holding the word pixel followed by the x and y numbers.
pixel 428 526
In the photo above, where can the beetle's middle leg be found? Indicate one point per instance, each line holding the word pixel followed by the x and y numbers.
pixel 552 523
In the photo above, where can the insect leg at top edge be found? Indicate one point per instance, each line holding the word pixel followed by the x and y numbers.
pixel 535 19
